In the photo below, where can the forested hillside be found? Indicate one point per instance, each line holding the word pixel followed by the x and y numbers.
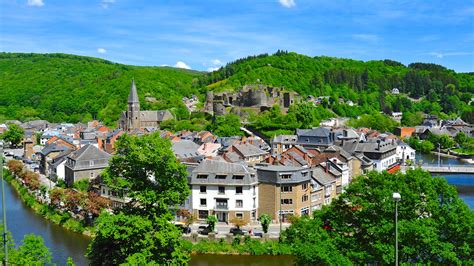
pixel 60 87
pixel 364 83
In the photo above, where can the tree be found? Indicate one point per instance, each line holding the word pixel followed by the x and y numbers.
pixel 265 220
pixel 14 134
pixel 211 222
pixel 156 183
pixel 82 185
pixel 238 222
pixel 32 250
pixel 15 166
pixel 226 126
pixel 359 223
pixel 461 138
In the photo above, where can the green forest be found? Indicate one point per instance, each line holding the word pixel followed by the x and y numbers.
pixel 70 88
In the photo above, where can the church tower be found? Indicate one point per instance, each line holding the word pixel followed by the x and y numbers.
pixel 133 112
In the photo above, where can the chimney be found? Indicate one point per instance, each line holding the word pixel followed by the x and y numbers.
pixel 327 165
pixel 378 144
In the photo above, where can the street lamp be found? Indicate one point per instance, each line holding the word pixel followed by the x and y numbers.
pixel 439 155
pixel 396 197
pixel 3 206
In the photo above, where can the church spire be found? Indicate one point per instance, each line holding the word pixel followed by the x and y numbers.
pixel 133 96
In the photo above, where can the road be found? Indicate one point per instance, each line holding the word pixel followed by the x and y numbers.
pixel 223 229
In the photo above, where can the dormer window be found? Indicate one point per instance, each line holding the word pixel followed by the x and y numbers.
pixel 238 177
pixel 91 163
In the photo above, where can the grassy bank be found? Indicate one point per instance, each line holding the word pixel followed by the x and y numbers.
pixel 63 219
pixel 240 246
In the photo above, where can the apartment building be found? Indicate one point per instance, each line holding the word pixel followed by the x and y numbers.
pixel 284 190
pixel 227 190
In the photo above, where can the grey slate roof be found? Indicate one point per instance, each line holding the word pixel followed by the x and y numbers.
pixel 53 148
pixel 272 174
pixel 323 178
pixel 248 150
pixel 314 132
pixel 159 115
pixel 212 168
pixel 185 149
pixel 133 96
pixel 89 152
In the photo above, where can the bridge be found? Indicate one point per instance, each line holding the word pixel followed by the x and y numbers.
pixel 449 169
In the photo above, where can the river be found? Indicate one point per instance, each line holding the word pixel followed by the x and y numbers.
pixel 63 244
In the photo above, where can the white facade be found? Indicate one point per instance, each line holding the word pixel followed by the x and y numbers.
pixel 60 171
pixel 212 199
pixel 383 164
pixel 405 152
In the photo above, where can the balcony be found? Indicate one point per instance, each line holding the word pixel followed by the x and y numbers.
pixel 222 207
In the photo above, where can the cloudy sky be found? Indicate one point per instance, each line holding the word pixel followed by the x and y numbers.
pixel 203 35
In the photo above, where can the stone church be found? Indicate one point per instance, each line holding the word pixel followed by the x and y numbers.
pixel 134 119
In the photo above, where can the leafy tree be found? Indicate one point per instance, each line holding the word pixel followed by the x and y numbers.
pixel 14 134
pixel 32 250
pixel 265 220
pixel 211 222
pixel 376 121
pixel 69 262
pixel 15 166
pixel 226 126
pixel 461 138
pixel 156 183
pixel 82 185
pixel 238 222
pixel 359 223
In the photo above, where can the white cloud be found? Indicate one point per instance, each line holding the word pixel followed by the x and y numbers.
pixel 366 37
pixel 441 55
pixel 287 3
pixel 181 64
pixel 35 3
pixel 106 3
pixel 210 69
pixel 101 50
pixel 216 62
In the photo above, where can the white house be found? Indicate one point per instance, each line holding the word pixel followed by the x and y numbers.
pixel 405 152
pixel 227 190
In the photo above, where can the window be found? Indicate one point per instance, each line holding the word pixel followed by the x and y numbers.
pixel 316 196
pixel 238 190
pixel 304 186
pixel 254 215
pixel 202 189
pixel 221 190
pixel 91 163
pixel 305 211
pixel 239 177
pixel 203 214
pixel 203 202
pixel 286 201
pixel 286 188
pixel 304 174
pixel 254 205
pixel 103 191
pixel 287 176
pixel 202 177
pixel 221 176
pixel 239 203
pixel 239 215
pixel 304 198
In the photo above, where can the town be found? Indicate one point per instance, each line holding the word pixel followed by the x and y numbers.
pixel 231 178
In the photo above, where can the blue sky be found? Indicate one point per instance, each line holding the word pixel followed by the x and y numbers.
pixel 203 35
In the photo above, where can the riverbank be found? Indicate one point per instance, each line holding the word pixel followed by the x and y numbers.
pixel 240 246
pixel 62 219
pixel 453 156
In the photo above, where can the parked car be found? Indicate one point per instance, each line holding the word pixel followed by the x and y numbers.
pixel 237 231
pixel 204 230
pixel 182 226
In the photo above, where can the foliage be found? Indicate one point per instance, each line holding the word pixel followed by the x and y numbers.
pixel 412 119
pixel 379 122
pixel 359 223
pixel 423 146
pixel 156 183
pixel 211 222
pixel 14 134
pixel 82 185
pixel 15 166
pixel 248 246
pixel 60 87
pixel 265 220
pixel 32 251
pixel 226 126
pixel 238 222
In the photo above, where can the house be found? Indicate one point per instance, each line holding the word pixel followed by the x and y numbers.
pixel 294 156
pixel 315 137
pixel 108 144
pixel 248 153
pixel 395 91
pixel 282 143
pixel 209 149
pixel 47 154
pixel 283 191
pixel 227 190
pixel 56 167
pixel 186 151
pixel 403 132
pixel 323 188
pixel 382 153
pixel 85 163
pixel 405 152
